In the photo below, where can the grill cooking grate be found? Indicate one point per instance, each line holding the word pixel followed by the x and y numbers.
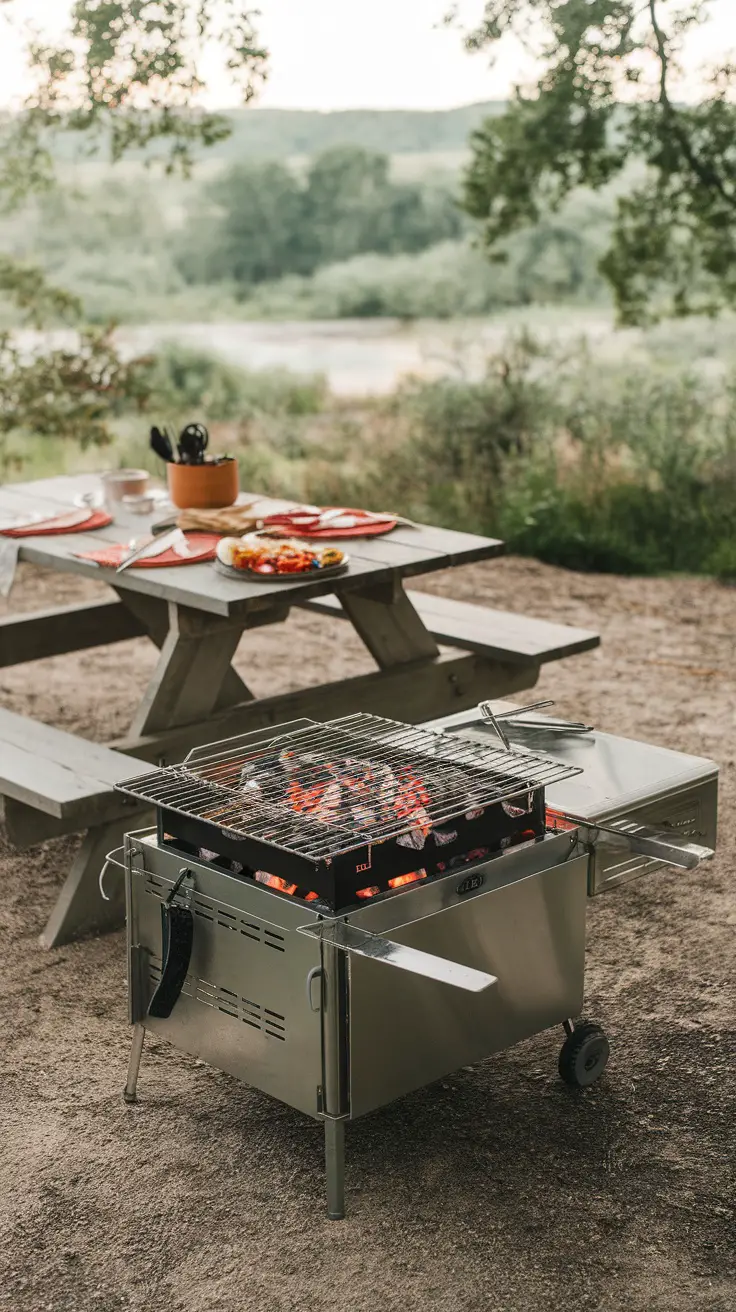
pixel 254 791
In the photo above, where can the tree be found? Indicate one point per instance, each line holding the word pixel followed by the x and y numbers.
pixel 260 232
pixel 126 77
pixel 261 221
pixel 606 97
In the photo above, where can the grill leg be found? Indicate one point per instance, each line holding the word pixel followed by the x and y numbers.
pixel 129 1092
pixel 335 1162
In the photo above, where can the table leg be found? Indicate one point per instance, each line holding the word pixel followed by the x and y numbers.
pixel 80 908
pixel 194 661
pixel 153 613
pixel 389 625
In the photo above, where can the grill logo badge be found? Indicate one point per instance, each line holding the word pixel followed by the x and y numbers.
pixel 470 884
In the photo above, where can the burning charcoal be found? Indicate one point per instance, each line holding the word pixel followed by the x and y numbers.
pixel 274 881
pixel 401 880
pixel 364 816
pixel 444 836
pixel 522 806
pixel 414 838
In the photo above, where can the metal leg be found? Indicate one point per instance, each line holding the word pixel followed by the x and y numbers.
pixel 569 1027
pixel 335 1163
pixel 129 1092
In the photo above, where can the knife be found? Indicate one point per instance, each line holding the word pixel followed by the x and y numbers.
pixel 153 547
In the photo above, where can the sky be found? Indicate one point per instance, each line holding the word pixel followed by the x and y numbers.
pixel 354 54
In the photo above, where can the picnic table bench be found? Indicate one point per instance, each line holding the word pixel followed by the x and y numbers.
pixel 54 783
pixel 433 655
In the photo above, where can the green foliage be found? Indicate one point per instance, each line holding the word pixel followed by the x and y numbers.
pixel 593 466
pixel 127 76
pixel 673 243
pixel 68 393
pixel 260 222
pixel 184 380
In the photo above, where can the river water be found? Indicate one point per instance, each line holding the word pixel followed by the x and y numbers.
pixel 366 356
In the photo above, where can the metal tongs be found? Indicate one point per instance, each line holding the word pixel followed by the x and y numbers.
pixel 547 726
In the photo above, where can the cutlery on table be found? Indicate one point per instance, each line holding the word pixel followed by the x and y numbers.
pixel 156 546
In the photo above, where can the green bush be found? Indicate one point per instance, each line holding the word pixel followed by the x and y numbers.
pixel 623 468
pixel 186 379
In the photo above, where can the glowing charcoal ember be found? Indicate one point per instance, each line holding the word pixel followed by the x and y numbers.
pixel 373 891
pixel 274 881
pixel 412 878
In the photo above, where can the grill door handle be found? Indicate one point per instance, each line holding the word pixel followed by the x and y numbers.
pixel 177 934
pixel 315 973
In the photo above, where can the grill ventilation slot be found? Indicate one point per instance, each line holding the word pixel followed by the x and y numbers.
pixel 223 918
pixel 269 1022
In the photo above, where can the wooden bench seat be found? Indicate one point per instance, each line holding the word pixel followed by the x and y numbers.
pixel 54 783
pixel 499 634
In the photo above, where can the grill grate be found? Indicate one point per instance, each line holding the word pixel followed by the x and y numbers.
pixel 357 772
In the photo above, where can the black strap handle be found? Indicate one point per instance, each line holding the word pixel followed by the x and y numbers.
pixel 177 933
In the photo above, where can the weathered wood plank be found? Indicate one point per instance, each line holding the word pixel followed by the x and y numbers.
pixel 477 628
pixel 26 826
pixel 407 551
pixel 56 772
pixel 458 548
pixel 502 635
pixel 153 614
pixel 389 625
pixel 79 908
pixel 186 683
pixel 408 558
pixel 413 692
pixel 54 632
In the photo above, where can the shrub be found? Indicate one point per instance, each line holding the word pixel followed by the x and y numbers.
pixel 186 379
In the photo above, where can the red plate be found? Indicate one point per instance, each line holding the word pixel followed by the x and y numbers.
pixel 204 544
pixel 47 527
pixel 370 528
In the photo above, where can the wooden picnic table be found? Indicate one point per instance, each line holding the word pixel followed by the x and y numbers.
pixel 196 617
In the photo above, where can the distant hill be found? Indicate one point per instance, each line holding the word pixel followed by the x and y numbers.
pixel 283 133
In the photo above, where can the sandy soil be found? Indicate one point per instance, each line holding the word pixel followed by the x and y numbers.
pixel 498 1190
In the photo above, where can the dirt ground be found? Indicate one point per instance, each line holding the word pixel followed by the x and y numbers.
pixel 498 1190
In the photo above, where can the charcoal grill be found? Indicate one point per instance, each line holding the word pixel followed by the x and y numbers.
pixel 290 867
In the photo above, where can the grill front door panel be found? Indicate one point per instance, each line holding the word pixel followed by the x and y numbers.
pixel 243 1007
pixel 406 1031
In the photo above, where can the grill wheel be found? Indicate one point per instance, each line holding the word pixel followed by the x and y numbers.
pixel 584 1055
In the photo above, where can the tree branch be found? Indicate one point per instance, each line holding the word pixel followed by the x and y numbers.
pixel 705 173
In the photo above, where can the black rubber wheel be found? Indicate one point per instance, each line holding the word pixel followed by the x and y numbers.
pixel 584 1055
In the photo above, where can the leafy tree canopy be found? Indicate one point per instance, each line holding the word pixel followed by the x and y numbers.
pixel 607 95
pixel 260 221
pixel 126 75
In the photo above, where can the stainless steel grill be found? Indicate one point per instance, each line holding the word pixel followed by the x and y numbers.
pixel 378 762
pixel 341 994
